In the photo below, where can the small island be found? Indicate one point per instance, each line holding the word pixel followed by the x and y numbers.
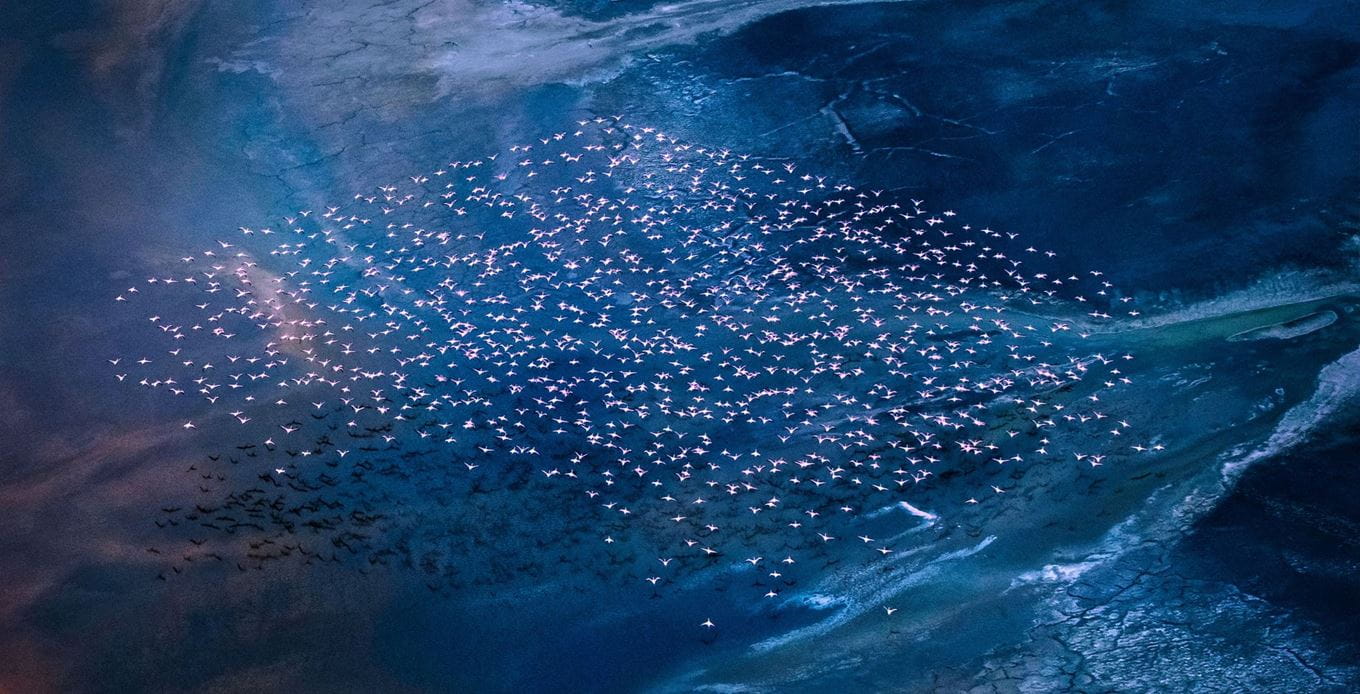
pixel 1286 330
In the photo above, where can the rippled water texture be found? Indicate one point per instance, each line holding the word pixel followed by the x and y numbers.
pixel 761 169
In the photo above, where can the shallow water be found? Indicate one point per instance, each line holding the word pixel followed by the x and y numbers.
pixel 1203 157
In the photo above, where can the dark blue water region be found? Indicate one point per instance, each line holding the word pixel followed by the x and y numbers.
pixel 1106 129
pixel 1289 533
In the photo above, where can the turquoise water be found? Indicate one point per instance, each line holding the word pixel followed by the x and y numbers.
pixel 131 138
